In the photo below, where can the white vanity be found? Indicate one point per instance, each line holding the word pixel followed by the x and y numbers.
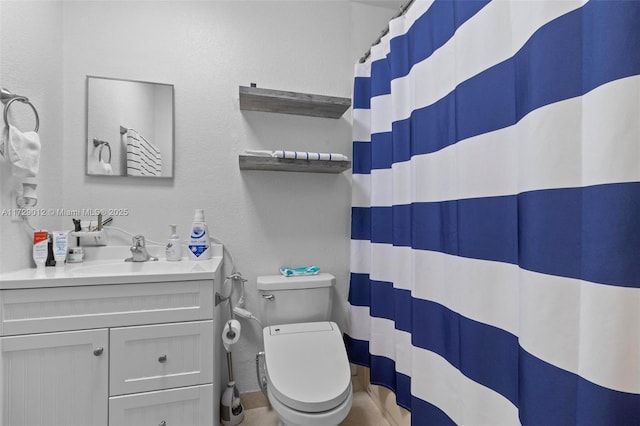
pixel 111 343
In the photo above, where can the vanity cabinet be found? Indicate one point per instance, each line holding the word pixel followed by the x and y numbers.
pixel 97 355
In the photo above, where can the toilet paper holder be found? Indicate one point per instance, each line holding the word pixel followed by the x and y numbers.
pixel 230 334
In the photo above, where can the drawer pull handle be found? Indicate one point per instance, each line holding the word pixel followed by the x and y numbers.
pixel 98 351
pixel 163 423
pixel 162 358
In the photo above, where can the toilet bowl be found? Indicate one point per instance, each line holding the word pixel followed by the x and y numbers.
pixel 308 373
pixel 307 370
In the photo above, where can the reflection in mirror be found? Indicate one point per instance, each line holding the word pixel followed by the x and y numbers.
pixel 129 128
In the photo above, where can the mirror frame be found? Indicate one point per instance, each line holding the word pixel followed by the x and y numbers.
pixel 89 138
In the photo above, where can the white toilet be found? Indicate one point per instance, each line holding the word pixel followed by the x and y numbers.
pixel 307 370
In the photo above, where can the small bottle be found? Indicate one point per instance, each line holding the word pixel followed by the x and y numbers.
pixel 76 255
pixel 40 248
pixel 173 251
pixel 51 261
pixel 60 246
pixel 199 245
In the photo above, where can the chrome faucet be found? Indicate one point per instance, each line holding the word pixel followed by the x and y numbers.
pixel 139 251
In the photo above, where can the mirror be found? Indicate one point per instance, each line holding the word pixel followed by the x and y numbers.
pixel 129 128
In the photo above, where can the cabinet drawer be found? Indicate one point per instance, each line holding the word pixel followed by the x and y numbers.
pixel 174 407
pixel 160 356
pixel 42 310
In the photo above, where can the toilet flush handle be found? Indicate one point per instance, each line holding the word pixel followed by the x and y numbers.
pixel 268 296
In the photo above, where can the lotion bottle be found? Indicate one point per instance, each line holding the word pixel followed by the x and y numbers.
pixel 40 248
pixel 199 245
pixel 173 251
pixel 60 246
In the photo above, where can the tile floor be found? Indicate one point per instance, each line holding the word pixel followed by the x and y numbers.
pixel 363 413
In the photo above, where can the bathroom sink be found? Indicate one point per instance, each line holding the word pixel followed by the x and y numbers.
pixel 106 265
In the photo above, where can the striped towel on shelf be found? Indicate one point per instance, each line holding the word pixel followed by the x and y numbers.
pixel 143 157
pixel 304 155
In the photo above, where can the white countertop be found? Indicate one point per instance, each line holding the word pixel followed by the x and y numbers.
pixel 106 265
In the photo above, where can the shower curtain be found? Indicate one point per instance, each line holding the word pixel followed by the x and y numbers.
pixel 495 247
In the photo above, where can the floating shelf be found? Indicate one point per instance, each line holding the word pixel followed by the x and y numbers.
pixel 257 99
pixel 254 162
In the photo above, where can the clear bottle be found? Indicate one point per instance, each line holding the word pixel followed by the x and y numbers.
pixel 173 250
pixel 199 245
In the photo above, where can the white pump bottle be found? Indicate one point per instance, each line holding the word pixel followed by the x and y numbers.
pixel 173 250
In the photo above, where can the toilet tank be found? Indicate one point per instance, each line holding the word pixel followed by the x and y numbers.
pixel 287 300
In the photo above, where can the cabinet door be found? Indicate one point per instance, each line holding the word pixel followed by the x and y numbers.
pixel 174 407
pixel 154 357
pixel 55 379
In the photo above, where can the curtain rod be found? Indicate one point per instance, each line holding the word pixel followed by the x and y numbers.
pixel 400 12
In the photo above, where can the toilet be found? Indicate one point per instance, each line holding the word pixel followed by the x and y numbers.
pixel 307 371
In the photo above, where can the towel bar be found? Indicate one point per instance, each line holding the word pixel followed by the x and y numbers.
pixel 8 98
pixel 97 142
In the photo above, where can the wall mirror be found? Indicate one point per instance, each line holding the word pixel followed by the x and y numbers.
pixel 130 128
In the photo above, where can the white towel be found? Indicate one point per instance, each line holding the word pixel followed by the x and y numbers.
pixel 22 150
pixel 305 155
pixel 104 168
pixel 258 152
pixel 143 157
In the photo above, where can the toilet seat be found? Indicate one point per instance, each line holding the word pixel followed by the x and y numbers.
pixel 307 366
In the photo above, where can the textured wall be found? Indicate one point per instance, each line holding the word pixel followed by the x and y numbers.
pixel 207 49
pixel 31 65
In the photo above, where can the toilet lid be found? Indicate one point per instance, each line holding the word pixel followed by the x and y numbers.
pixel 307 365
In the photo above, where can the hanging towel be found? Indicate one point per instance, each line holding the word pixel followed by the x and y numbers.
pixel 143 157
pixel 104 168
pixel 22 150
pixel 305 155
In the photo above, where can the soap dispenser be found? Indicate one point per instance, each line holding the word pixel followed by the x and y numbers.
pixel 173 251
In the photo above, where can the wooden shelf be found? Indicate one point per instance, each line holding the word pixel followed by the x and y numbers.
pixel 254 162
pixel 257 99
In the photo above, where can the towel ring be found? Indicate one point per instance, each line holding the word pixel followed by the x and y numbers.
pixel 102 144
pixel 24 101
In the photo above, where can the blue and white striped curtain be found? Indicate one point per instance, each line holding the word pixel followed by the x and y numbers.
pixel 495 272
